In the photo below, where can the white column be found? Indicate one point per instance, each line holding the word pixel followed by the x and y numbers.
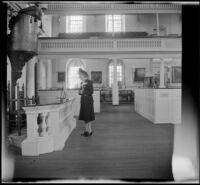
pixel 162 74
pixel 44 74
pixel 157 24
pixel 115 88
pixel 49 74
pixel 41 73
pixel 151 67
pixel 30 78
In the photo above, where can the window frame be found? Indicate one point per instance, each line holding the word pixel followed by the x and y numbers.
pixel 122 26
pixel 68 24
pixel 121 64
pixel 73 63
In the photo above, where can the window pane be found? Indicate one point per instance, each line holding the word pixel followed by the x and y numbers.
pixel 111 73
pixel 73 77
pixel 114 23
pixel 74 23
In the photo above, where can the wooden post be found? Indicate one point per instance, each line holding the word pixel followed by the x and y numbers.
pixel 157 24
pixel 162 73
pixel 33 100
pixel 18 112
pixel 115 88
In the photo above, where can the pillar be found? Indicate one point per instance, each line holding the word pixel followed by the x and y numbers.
pixel 30 78
pixel 157 24
pixel 162 74
pixel 41 75
pixel 115 88
pixel 151 67
pixel 49 74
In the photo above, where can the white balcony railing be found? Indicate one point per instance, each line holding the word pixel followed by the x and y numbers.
pixel 108 45
pixel 106 8
pixel 109 6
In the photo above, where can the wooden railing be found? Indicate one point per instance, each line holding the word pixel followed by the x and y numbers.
pixel 109 6
pixel 99 45
pixel 15 114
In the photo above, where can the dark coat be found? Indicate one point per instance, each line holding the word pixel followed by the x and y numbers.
pixel 87 102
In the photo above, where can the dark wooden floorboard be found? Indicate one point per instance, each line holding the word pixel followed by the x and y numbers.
pixel 124 146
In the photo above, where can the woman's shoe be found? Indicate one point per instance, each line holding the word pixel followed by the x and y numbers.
pixel 86 134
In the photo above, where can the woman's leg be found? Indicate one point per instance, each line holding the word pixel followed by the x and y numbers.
pixel 86 127
pixel 90 127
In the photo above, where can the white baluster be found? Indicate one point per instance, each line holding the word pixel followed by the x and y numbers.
pixel 48 123
pixel 43 125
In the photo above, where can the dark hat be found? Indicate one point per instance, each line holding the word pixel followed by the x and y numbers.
pixel 83 72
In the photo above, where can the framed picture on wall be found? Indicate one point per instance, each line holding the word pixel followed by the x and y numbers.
pixel 176 74
pixel 61 76
pixel 96 77
pixel 139 74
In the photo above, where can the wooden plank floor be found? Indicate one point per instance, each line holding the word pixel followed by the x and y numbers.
pixel 124 146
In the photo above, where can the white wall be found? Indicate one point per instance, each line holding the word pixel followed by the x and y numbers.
pixel 102 64
pixel 47 26
pixel 95 23
pixel 140 22
pixel 58 66
pixel 97 65
pixel 58 25
pixel 133 22
pixel 172 22
pixel 130 64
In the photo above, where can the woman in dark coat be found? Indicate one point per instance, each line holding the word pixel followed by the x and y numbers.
pixel 87 102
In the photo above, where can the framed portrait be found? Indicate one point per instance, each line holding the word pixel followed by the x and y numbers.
pixel 96 77
pixel 61 76
pixel 176 74
pixel 139 74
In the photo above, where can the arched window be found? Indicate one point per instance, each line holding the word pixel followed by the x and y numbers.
pixel 73 66
pixel 120 73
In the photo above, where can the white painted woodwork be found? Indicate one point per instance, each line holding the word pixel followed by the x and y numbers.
pixel 30 78
pixel 49 74
pixel 39 75
pixel 53 45
pixel 157 24
pixel 115 88
pixel 162 74
pixel 106 8
pixel 57 124
pixel 52 96
pixel 159 105
pixel 43 75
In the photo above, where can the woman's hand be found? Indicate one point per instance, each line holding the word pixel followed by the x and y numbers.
pixel 80 91
pixel 84 84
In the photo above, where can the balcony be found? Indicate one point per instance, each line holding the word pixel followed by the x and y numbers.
pixel 104 8
pixel 58 45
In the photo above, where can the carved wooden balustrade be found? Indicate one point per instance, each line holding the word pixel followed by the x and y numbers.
pixel 58 45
